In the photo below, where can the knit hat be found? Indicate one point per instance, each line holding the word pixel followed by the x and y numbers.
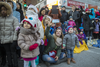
pixel 69 28
pixel 32 6
pixel 70 17
pixel 87 9
pixel 81 29
pixel 31 19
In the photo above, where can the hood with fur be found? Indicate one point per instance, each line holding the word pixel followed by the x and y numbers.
pixel 9 10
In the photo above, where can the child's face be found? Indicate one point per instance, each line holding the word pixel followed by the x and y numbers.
pixel 70 30
pixel 71 19
pixel 3 11
pixel 47 20
pixel 75 29
pixel 81 32
pixel 32 9
pixel 26 25
pixel 96 20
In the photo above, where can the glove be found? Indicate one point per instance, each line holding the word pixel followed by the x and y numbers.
pixel 17 28
pixel 42 42
pixel 34 46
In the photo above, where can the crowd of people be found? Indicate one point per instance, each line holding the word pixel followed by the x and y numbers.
pixel 41 36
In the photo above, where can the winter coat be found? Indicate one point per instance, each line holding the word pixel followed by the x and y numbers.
pixel 56 16
pixel 39 24
pixel 93 14
pixel 98 13
pixel 21 12
pixel 97 25
pixel 64 16
pixel 86 22
pixel 44 31
pixel 25 40
pixel 70 40
pixel 8 25
pixel 75 15
pixel 80 36
pixel 16 13
pixel 51 44
pixel 71 23
pixel 41 18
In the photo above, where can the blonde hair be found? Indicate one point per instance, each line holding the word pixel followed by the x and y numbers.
pixel 46 16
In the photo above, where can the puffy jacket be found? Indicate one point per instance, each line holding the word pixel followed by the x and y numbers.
pixel 16 13
pixel 86 22
pixel 97 25
pixel 25 40
pixel 8 25
pixel 64 17
pixel 71 23
pixel 70 40
pixel 75 15
pixel 93 14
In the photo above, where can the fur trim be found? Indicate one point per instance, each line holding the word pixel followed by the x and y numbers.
pixel 9 9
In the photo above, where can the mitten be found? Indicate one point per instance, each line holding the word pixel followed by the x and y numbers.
pixel 17 28
pixel 42 42
pixel 34 46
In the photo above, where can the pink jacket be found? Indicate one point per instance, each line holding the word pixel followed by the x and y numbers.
pixel 71 23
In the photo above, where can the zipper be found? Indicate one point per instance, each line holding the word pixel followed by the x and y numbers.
pixel 4 29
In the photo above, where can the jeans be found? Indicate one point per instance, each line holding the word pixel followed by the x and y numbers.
pixel 69 53
pixel 63 28
pixel 52 60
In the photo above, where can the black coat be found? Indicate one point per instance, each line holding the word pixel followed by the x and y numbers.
pixel 75 15
pixel 87 23
pixel 64 17
pixel 21 12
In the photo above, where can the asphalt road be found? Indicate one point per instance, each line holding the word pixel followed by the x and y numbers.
pixel 90 58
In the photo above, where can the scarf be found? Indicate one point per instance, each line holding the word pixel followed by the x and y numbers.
pixel 58 40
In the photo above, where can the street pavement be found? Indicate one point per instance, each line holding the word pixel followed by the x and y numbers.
pixel 90 58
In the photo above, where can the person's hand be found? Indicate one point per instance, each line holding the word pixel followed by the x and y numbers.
pixel 57 7
pixel 56 58
pixel 50 23
pixel 63 47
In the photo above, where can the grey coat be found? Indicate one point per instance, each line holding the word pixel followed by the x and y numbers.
pixel 8 25
pixel 70 40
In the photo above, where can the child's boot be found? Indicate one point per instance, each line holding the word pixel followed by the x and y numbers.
pixel 72 59
pixel 68 61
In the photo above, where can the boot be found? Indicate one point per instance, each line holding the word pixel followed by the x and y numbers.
pixel 72 59
pixel 68 61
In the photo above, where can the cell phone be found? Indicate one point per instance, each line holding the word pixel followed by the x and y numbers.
pixel 54 9
pixel 55 21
